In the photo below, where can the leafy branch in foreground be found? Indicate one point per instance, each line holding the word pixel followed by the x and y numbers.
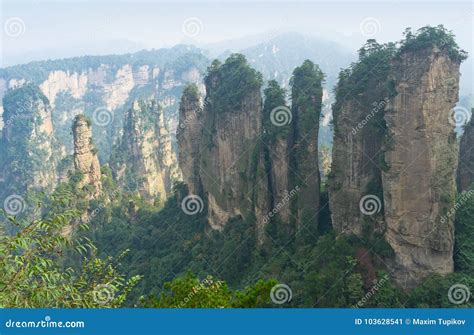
pixel 32 275
pixel 190 292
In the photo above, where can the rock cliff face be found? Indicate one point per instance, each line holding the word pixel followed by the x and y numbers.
pixel 395 147
pixel 421 156
pixel 103 88
pixel 188 136
pixel 359 131
pixel 232 128
pixel 237 153
pixel 28 157
pixel 306 96
pixel 144 160
pixel 465 176
pixel 85 156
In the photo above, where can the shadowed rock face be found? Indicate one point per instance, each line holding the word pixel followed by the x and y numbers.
pixel 421 155
pixel 221 151
pixel 359 130
pixel 85 155
pixel 465 176
pixel 227 166
pixel 188 136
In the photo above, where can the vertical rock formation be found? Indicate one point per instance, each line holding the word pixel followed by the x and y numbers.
pixel 231 136
pixel 277 126
pixel 85 156
pixel 241 163
pixel 144 161
pixel 28 158
pixel 306 95
pixel 359 130
pixel 421 156
pixel 188 136
pixel 465 177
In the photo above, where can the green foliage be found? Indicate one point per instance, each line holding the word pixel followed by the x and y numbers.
pixel 32 275
pixel 274 101
pixel 433 292
pixel 306 95
pixel 428 37
pixel 464 229
pixel 230 83
pixel 190 292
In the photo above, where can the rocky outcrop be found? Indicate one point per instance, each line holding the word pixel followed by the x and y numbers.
pixel 85 156
pixel 465 177
pixel 359 131
pixel 188 136
pixel 395 151
pixel 421 158
pixel 28 157
pixel 144 160
pixel 241 162
pixel 232 127
pixel 103 88
pixel 306 96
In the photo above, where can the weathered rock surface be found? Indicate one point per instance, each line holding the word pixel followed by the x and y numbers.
pixel 306 96
pixel 188 136
pixel 359 131
pixel 465 177
pixel 85 156
pixel 144 161
pixel 421 155
pixel 28 144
